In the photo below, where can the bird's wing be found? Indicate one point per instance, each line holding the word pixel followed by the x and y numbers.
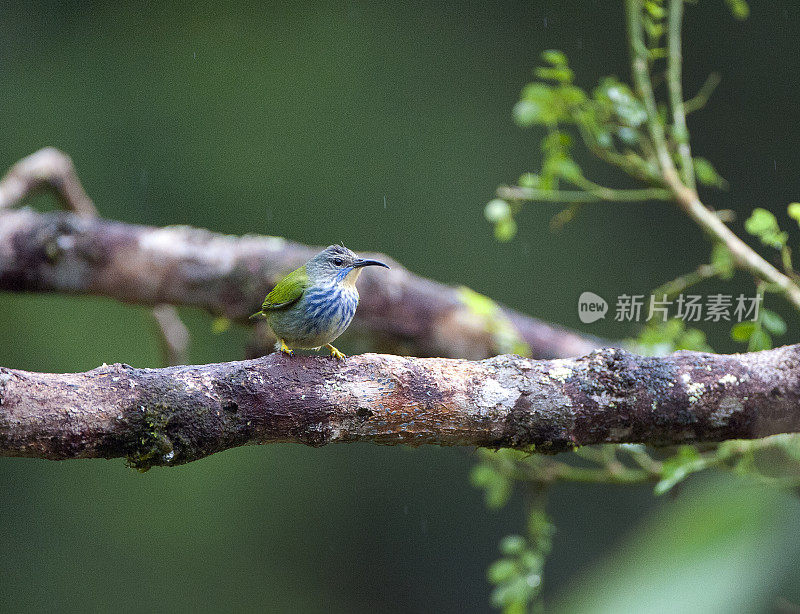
pixel 287 291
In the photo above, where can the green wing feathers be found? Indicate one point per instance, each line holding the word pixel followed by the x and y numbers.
pixel 286 292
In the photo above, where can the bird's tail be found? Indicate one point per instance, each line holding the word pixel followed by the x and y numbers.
pixel 257 314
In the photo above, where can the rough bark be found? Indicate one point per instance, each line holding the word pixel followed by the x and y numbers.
pixel 179 414
pixel 229 276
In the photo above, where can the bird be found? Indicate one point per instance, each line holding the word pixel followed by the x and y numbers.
pixel 311 306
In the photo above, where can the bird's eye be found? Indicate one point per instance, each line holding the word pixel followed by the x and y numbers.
pixel 337 261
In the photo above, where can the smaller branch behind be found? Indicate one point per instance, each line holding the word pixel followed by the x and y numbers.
pixel 47 169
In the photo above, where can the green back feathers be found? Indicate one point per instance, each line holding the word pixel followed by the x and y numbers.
pixel 286 292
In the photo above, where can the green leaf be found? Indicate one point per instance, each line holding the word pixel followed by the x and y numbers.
pixel 502 570
pixel 773 322
pixel 512 545
pixel 677 468
pixel 759 340
pixel 739 8
pixel 760 222
pixel 505 229
pixel 482 475
pixel 556 142
pixel 527 113
pixel 654 9
pixel 693 339
pixel 497 488
pixel 513 596
pixel 722 260
pixel 764 225
pixel 794 211
pixel 529 180
pixel 707 174
pixel 539 104
pixel 569 170
pixel 621 101
pixel 554 57
pixel 743 331
pixel 561 74
pixel 655 29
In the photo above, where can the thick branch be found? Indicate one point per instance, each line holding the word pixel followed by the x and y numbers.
pixel 229 276
pixel 179 414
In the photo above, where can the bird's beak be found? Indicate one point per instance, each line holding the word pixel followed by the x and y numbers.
pixel 362 262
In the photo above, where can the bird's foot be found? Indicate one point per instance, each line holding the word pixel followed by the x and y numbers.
pixel 334 352
pixel 285 349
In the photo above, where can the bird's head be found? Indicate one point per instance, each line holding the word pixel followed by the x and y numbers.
pixel 337 265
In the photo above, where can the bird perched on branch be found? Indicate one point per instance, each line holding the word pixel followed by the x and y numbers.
pixel 313 305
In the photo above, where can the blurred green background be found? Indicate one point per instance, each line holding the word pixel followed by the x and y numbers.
pixel 386 127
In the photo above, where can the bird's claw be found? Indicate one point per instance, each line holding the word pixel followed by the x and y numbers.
pixel 335 353
pixel 285 349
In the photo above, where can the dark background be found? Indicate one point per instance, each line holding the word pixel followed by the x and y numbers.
pixel 301 120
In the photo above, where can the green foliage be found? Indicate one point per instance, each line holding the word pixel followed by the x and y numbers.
pixel 757 334
pixel 660 338
pixel 764 225
pixel 722 261
pixel 495 482
pixel 675 469
pixel 627 128
pixel 617 107
pixel 738 8
pixel 707 174
pixel 772 322
pixel 517 576
pixel 794 212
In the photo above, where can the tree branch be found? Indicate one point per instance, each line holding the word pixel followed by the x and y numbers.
pixel 175 415
pixel 229 276
pixel 599 194
pixel 47 169
pixel 686 197
pixel 680 131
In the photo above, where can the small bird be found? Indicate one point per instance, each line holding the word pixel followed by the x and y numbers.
pixel 313 305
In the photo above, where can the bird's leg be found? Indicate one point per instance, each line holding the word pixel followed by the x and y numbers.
pixel 334 352
pixel 284 348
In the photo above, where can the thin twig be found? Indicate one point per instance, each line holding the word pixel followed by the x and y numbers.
pixel 699 100
pixel 599 194
pixel 679 284
pixel 743 255
pixel 680 132
pixel 173 334
pixel 641 78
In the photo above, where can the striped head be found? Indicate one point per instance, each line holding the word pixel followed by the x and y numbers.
pixel 337 266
